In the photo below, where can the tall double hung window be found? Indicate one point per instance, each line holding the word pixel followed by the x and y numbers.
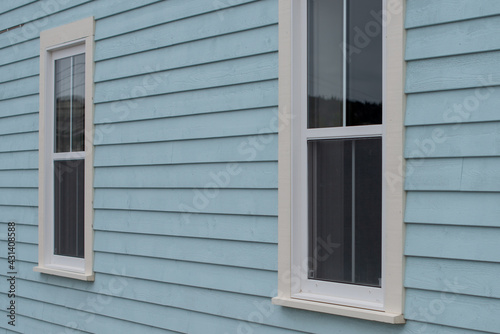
pixel 334 203
pixel 66 164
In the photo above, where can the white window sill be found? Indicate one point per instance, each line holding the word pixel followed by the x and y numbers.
pixel 353 312
pixel 65 273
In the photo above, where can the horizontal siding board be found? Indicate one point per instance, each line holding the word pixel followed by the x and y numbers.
pixel 207 200
pixel 453 208
pixel 27 234
pixel 238 18
pixel 157 13
pixel 470 312
pixel 453 106
pixel 224 252
pixel 210 226
pixel 466 140
pixel 453 242
pixel 19 106
pixel 453 276
pixel 218 48
pixel 430 12
pixel 31 30
pixel 454 174
pixel 24 251
pixel 18 196
pixel 18 88
pixel 226 175
pixel 224 124
pixel 26 324
pixel 19 142
pixel 19 70
pixel 6 6
pixel 19 214
pixel 25 50
pixel 453 39
pixel 456 72
pixel 19 124
pixel 235 97
pixel 216 277
pixel 235 149
pixel 236 71
pixel 35 11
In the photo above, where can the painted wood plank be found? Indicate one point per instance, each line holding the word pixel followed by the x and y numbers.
pixel 207 200
pixel 19 142
pixel 453 106
pixel 210 226
pixel 252 15
pixel 158 13
pixel 453 39
pixel 453 276
pixel 429 12
pixel 19 160
pixel 21 51
pixel 6 6
pixel 35 11
pixel 456 72
pixel 12 107
pixel 19 214
pixel 19 124
pixel 453 242
pixel 225 47
pixel 453 208
pixel 18 196
pixel 27 234
pixel 18 88
pixel 246 175
pixel 462 174
pixel 217 277
pixel 31 30
pixel 466 140
pixel 19 70
pixel 475 313
pixel 235 149
pixel 224 124
pixel 224 252
pixel 235 97
pixel 236 71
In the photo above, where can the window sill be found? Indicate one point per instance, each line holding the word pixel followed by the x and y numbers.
pixel 65 273
pixel 352 312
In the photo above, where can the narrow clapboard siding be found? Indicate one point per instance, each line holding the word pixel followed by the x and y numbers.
pixel 19 124
pixel 452 150
pixel 19 88
pixel 11 108
pixel 19 69
pixel 6 6
pixel 431 12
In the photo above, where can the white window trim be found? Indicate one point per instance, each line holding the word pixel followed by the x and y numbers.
pixel 54 43
pixel 391 308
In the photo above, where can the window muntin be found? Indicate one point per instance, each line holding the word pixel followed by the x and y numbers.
pixel 338 159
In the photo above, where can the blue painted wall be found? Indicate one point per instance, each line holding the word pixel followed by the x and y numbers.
pixel 186 170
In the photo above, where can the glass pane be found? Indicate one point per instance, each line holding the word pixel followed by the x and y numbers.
pixel 69 208
pixel 78 108
pixel 345 210
pixel 364 63
pixel 325 63
pixel 62 100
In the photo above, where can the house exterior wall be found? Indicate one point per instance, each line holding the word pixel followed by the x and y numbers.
pixel 186 104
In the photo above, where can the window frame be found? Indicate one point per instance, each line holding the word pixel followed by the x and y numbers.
pixel 292 100
pixel 56 43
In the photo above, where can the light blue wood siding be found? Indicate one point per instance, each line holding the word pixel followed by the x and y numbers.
pixel 452 177
pixel 186 109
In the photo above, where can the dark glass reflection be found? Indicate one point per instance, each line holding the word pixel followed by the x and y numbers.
pixel 325 63
pixel 69 208
pixel 345 201
pixel 69 97
pixel 364 63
